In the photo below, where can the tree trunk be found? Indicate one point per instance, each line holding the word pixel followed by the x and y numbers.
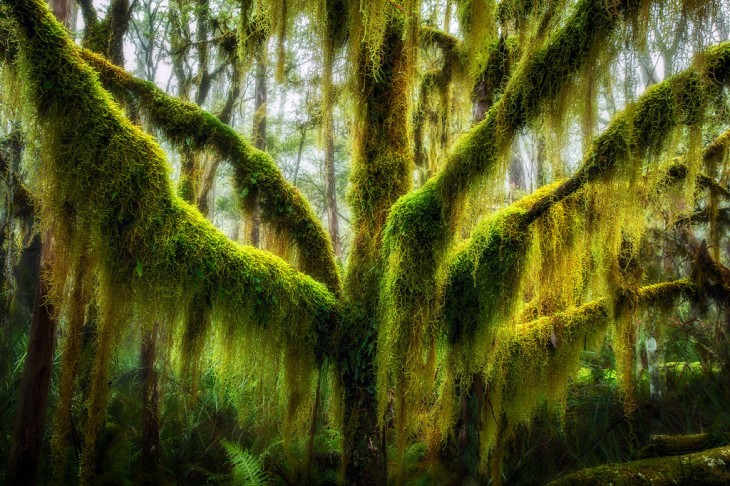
pixel 468 446
pixel 259 138
pixel 382 157
pixel 65 12
pixel 330 188
pixel 313 429
pixel 331 191
pixel 34 387
pixel 363 450
pixel 300 150
pixel 150 409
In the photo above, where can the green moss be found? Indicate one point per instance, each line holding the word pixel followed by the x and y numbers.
pixel 282 206
pixel 420 226
pixel 495 68
pixel 711 467
pixel 484 276
pixel 107 194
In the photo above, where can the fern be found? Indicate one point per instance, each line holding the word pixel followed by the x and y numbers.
pixel 247 468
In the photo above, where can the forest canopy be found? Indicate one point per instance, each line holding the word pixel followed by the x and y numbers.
pixel 364 242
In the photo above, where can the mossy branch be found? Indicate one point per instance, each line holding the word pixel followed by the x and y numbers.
pixel 644 126
pixel 484 274
pixel 674 445
pixel 539 78
pixel 443 40
pixel 706 467
pixel 421 225
pixel 530 363
pixel 572 326
pixel 282 205
pixel 106 193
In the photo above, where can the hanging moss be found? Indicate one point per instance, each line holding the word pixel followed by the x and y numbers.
pixel 495 69
pixel 483 281
pixel 526 364
pixel 485 274
pixel 435 100
pixel 106 184
pixel 282 205
pixel 420 224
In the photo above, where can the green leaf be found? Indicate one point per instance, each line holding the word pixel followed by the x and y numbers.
pixel 139 269
pixel 247 468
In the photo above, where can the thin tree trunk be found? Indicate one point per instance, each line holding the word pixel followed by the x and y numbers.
pixel 120 13
pixel 259 138
pixel 150 408
pixel 300 151
pixel 34 387
pixel 313 429
pixel 226 115
pixel 331 193
pixel 328 127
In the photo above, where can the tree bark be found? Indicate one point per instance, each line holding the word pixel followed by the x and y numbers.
pixel 363 451
pixel 34 387
pixel 468 446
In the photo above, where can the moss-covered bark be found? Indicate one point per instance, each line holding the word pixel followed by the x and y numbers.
pixel 711 467
pixel 381 172
pixel 282 205
pixel 421 225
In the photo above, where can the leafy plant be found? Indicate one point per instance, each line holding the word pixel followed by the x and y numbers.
pixel 247 468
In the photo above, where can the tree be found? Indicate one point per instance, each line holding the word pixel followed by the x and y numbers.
pixel 422 315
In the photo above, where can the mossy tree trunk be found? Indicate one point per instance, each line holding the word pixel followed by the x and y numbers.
pixel 382 167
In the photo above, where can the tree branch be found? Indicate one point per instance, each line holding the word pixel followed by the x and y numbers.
pixel 482 275
pixel 282 205
pixel 108 185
